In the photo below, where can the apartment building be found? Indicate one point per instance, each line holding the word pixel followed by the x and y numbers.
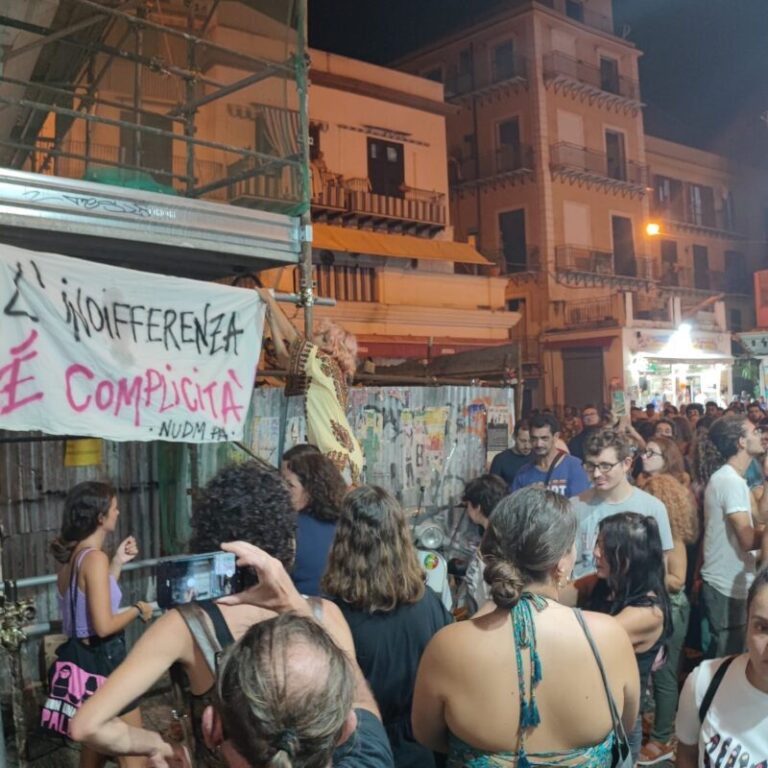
pixel 549 170
pixel 383 244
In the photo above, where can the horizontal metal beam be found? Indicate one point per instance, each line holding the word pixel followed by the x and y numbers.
pixel 84 99
pixel 147 129
pixel 185 35
pixel 74 156
pixel 190 106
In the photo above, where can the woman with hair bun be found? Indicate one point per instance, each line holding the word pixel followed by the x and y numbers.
pixel 87 590
pixel 519 683
pixel 320 371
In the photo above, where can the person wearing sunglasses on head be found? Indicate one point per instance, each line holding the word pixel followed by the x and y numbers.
pixel 608 459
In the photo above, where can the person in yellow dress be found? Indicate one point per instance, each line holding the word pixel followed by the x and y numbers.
pixel 320 371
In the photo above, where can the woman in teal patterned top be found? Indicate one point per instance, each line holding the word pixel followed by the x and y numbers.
pixel 518 684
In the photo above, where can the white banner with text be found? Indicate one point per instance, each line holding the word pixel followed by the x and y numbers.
pixel 90 349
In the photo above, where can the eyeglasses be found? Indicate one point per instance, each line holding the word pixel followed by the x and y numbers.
pixel 604 467
pixel 648 453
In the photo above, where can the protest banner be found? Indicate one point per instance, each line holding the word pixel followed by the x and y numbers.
pixel 90 349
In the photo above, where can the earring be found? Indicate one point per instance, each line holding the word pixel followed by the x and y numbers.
pixel 561 581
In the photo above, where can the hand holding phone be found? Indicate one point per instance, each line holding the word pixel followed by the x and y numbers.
pixel 188 578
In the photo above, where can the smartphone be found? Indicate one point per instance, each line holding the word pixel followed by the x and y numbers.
pixel 196 577
pixel 619 403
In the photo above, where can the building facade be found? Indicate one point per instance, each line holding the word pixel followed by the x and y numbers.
pixel 552 174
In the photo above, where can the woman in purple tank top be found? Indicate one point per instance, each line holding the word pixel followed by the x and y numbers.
pixel 87 589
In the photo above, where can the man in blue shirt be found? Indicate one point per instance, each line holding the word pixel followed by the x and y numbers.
pixel 551 466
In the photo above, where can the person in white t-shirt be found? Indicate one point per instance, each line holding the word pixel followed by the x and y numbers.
pixel 608 459
pixel 731 534
pixel 733 731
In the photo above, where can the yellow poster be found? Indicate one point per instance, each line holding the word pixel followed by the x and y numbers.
pixel 83 453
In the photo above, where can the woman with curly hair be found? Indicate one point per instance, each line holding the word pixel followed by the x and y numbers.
pixel 375 578
pixel 241 502
pixel 665 478
pixel 317 490
pixel 320 371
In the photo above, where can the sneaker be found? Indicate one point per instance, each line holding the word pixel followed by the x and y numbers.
pixel 656 752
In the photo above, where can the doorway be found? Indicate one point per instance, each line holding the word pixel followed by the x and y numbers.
pixel 623 247
pixel 514 247
pixel 386 167
pixel 583 377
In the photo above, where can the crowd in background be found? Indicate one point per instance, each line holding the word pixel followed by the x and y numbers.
pixel 619 557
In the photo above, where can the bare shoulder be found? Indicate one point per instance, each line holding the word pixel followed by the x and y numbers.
pixel 95 559
pixel 611 638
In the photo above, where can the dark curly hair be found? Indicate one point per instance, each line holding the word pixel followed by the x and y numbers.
pixel 248 502
pixel 529 531
pixel 372 564
pixel 485 491
pixel 84 505
pixel 323 483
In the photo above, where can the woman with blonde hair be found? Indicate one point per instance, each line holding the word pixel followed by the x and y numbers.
pixel 375 578
pixel 320 371
pixel 665 478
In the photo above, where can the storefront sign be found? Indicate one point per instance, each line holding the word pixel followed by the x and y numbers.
pixel 88 349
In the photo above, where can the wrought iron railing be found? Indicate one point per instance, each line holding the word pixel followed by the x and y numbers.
pixel 572 158
pixel 512 261
pixel 591 312
pixel 557 64
pixel 572 258
pixel 503 70
pixel 416 209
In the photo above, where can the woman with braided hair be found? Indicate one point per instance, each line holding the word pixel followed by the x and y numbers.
pixel 520 683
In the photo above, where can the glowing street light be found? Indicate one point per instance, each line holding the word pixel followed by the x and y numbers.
pixel 652 229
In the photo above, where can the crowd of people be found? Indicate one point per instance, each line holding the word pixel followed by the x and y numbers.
pixel 615 554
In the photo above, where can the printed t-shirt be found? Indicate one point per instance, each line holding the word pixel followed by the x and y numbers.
pixel 735 728
pixel 727 568
pixel 590 510
pixel 568 478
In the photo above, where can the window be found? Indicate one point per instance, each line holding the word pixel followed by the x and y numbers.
pixel 616 164
pixel 701 205
pixel 156 152
pixel 509 155
pixel 504 62
pixel 736 276
pixel 574 9
pixel 668 197
pixel 728 212
pixel 669 267
pixel 435 74
pixel 736 322
pixel 609 75
pixel 386 167
pixel 700 267
pixel 314 141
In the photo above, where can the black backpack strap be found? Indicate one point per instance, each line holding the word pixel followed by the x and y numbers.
pixel 555 463
pixel 196 620
pixel 714 684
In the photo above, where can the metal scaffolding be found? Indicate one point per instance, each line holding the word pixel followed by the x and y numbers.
pixel 174 43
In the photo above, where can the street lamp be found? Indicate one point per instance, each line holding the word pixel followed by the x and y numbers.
pixel 652 229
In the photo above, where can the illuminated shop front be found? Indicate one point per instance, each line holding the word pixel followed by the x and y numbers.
pixel 677 366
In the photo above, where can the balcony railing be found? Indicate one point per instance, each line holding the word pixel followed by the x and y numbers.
pixel 513 262
pixel 572 160
pixel 513 160
pixel 559 66
pixel 418 207
pixel 530 347
pixel 716 224
pixel 503 71
pixel 706 282
pixel 590 18
pixel 330 195
pixel 593 312
pixel 604 266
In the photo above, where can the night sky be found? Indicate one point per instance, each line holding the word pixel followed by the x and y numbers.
pixel 704 75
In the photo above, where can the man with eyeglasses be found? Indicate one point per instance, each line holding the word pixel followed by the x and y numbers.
pixel 608 459
pixel 551 466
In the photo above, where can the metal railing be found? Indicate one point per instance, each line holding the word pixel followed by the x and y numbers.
pixel 512 261
pixel 517 158
pixel 401 208
pixel 590 18
pixel 591 312
pixel 557 64
pixel 570 258
pixel 512 68
pixel 571 158
pixel 506 70
pixel 330 195
pixel 255 180
pixel 708 281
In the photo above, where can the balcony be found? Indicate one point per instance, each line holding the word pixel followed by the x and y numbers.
pixel 508 164
pixel 713 224
pixel 577 12
pixel 342 282
pixel 589 267
pixel 587 81
pixel 419 211
pixel 506 73
pixel 571 162
pixel 687 280
pixel 519 267
pixel 595 313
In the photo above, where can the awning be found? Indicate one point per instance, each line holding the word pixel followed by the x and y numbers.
pixel 693 357
pixel 330 238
